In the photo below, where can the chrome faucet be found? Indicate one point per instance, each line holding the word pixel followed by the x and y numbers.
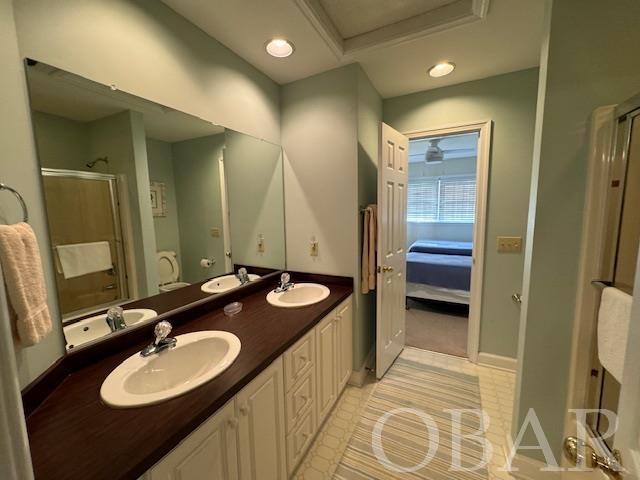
pixel 285 283
pixel 115 319
pixel 162 340
pixel 243 276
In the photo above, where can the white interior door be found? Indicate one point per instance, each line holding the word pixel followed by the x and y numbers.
pixel 391 278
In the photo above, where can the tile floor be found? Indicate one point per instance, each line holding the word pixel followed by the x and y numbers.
pixel 496 393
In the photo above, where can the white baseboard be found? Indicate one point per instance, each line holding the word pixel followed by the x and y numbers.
pixel 497 361
pixel 358 376
pixel 525 468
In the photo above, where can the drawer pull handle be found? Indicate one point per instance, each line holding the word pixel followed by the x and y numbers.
pixel 244 410
pixel 233 423
pixel 304 398
pixel 303 358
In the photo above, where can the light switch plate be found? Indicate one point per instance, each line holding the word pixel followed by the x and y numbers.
pixel 215 232
pixel 509 244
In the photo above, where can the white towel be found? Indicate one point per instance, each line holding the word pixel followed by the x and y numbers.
pixel 369 246
pixel 24 280
pixel 613 328
pixel 83 258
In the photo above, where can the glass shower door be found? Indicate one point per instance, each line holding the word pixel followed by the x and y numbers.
pixel 83 208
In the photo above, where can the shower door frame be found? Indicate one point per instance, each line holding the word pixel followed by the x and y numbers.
pixel 121 267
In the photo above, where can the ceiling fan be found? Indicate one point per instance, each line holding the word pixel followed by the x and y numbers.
pixel 434 153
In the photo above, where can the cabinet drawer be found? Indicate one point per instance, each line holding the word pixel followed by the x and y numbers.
pixel 298 441
pixel 300 399
pixel 298 359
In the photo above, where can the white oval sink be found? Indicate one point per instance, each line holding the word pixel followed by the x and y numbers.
pixel 197 358
pixel 95 327
pixel 300 295
pixel 224 283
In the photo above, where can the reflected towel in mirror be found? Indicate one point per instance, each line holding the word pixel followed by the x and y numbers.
pixel 83 258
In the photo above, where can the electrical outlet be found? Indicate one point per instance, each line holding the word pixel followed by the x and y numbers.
pixel 313 247
pixel 509 244
pixel 215 232
pixel 261 243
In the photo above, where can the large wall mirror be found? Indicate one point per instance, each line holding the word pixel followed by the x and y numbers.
pixel 149 208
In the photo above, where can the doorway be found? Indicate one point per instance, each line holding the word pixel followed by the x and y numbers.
pixel 445 221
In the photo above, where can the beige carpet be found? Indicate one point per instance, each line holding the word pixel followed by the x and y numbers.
pixel 405 439
pixel 437 327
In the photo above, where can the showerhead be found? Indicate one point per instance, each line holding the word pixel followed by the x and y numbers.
pixel 101 159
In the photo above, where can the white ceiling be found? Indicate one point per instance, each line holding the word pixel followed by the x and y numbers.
pixel 355 17
pixel 507 39
pixel 72 97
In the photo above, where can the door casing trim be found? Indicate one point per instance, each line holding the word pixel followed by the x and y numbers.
pixel 483 127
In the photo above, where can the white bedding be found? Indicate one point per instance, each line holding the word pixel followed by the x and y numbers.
pixel 429 292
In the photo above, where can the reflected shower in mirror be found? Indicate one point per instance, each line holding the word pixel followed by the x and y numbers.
pixel 148 208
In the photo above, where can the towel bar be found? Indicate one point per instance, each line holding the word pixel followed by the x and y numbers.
pixel 25 212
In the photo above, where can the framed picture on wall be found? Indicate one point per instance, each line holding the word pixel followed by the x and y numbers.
pixel 158 199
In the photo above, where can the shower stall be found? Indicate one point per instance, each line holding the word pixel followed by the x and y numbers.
pixel 82 208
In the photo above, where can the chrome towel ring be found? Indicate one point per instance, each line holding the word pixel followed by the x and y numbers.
pixel 25 211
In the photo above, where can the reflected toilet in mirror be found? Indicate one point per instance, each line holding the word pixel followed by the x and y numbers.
pixel 148 208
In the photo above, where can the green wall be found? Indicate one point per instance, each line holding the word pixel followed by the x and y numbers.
pixel 62 143
pixel 121 138
pixel 592 61
pixel 161 170
pixel 255 188
pixel 369 118
pixel 330 125
pixel 197 181
pixel 20 169
pixel 509 101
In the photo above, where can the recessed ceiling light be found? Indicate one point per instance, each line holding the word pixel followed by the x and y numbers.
pixel 442 69
pixel 279 47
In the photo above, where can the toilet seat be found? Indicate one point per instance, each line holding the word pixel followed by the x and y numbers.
pixel 168 271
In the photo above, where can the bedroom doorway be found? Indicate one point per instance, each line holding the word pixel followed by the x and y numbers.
pixel 446 199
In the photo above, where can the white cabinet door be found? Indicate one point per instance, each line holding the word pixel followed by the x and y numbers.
pixel 326 358
pixel 261 439
pixel 344 328
pixel 208 453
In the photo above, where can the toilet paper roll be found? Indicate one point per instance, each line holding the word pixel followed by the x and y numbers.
pixel 206 263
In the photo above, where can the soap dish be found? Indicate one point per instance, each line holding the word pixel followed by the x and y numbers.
pixel 232 309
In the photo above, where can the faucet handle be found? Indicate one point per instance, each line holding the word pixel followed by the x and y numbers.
pixel 115 312
pixel 162 331
pixel 284 278
pixel 242 271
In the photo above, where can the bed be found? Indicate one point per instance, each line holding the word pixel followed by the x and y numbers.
pixel 439 270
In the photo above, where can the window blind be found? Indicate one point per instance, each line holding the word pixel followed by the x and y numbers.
pixel 446 199
pixel 422 199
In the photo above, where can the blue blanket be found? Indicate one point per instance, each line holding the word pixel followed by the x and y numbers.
pixel 438 270
pixel 442 247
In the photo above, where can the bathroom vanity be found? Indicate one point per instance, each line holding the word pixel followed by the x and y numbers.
pixel 255 420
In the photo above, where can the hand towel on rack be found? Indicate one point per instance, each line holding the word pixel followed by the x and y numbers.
pixel 369 246
pixel 24 280
pixel 613 327
pixel 83 258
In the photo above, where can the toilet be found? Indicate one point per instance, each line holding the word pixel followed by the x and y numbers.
pixel 169 272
